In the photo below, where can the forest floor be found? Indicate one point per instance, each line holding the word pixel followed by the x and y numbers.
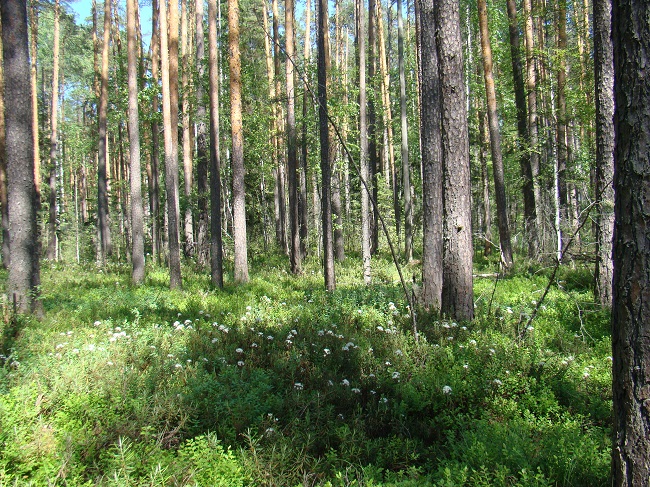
pixel 279 383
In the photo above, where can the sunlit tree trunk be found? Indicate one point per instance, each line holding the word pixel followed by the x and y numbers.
pixel 169 48
pixel 105 246
pixel 237 157
pixel 495 139
pixel 154 194
pixel 137 217
pixel 604 90
pixel 187 139
pixel 324 134
pixel 305 162
pixel 216 244
pixel 295 255
pixel 431 160
pixel 24 270
pixel 279 172
pixel 457 291
pixel 54 114
pixel 631 301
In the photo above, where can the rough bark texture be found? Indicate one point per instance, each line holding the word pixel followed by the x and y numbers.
pixel 295 255
pixel 169 85
pixel 202 150
pixel 279 172
pixel 154 195
pixel 431 161
pixel 237 162
pixel 105 248
pixel 495 138
pixel 324 134
pixel 366 229
pixel 457 292
pixel 631 301
pixel 561 129
pixel 188 223
pixel 216 244
pixel 137 216
pixel 373 158
pixel 406 168
pixel 604 90
pixel 306 98
pixel 33 21
pixel 530 212
pixel 54 114
pixel 3 170
pixel 23 261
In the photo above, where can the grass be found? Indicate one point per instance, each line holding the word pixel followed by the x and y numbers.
pixel 279 383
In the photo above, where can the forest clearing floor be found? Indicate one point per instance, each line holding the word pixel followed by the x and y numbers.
pixel 279 383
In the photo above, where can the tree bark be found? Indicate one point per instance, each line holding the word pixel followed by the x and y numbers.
pixel 137 216
pixel 22 285
pixel 373 158
pixel 237 161
pixel 156 241
pixel 485 183
pixel 406 167
pixel 169 47
pixel 530 211
pixel 54 113
pixel 561 129
pixel 324 134
pixel 604 90
pixel 457 292
pixel 366 227
pixel 279 192
pixel 295 255
pixel 202 150
pixel 187 138
pixel 305 162
pixel 431 159
pixel 631 301
pixel 105 246
pixel 216 244
pixel 3 171
pixel 495 139
pixel 33 19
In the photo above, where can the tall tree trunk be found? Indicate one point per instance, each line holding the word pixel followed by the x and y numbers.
pixel 295 255
pixel 33 20
pixel 137 217
pixel 406 167
pixel 325 161
pixel 495 139
pixel 238 171
pixel 530 211
pixel 561 129
pixel 373 158
pixel 631 301
pixel 366 228
pixel 279 172
pixel 604 90
pixel 216 244
pixel 22 285
pixel 154 195
pixel 169 48
pixel 531 87
pixel 305 162
pixel 202 149
pixel 457 291
pixel 105 246
pixel 431 114
pixel 187 139
pixel 3 171
pixel 485 180
pixel 54 114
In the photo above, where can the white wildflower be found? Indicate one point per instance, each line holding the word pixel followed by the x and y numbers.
pixel 446 390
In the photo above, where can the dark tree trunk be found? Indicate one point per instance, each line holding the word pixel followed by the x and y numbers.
pixel 216 244
pixel 604 90
pixel 202 149
pixel 431 160
pixel 457 292
pixel 530 212
pixel 295 255
pixel 3 171
pixel 22 285
pixel 325 163
pixel 102 178
pixel 495 139
pixel 631 301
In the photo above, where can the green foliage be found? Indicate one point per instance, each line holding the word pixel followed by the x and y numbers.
pixel 279 383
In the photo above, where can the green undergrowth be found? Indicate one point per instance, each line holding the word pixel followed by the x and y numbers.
pixel 278 383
